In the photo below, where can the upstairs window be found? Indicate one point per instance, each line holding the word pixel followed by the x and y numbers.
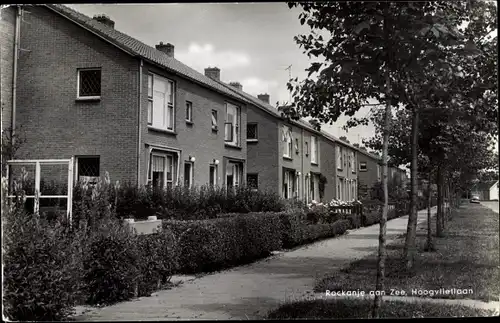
pixel 353 162
pixel 89 83
pixel 189 111
pixel 297 146
pixel 339 157
pixel 231 126
pixel 362 166
pixel 287 139
pixel 314 149
pixel 252 133
pixel 253 181
pixel 161 113
pixel 214 120
pixel 307 149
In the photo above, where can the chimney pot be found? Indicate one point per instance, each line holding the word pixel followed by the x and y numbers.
pixel 166 48
pixel 236 85
pixel 104 20
pixel 264 97
pixel 213 73
pixel 356 145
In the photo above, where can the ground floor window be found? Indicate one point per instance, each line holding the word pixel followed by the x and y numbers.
pixel 188 174
pixel 88 169
pixel 162 169
pixel 314 187
pixel 289 183
pixel 212 181
pixel 253 181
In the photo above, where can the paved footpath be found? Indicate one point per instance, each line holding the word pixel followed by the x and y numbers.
pixel 249 292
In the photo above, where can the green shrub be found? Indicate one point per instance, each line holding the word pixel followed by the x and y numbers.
pixel 231 239
pixel 291 224
pixel 371 218
pixel 110 263
pixel 157 261
pixel 41 272
pixel 354 221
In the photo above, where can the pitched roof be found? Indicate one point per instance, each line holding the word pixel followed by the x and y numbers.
pixel 140 49
pixel 485 186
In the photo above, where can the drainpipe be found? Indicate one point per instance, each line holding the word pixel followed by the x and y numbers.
pixel 14 76
pixel 139 135
pixel 303 174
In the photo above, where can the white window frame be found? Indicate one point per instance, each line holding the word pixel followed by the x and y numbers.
pixel 237 169
pixel 378 172
pixel 89 179
pixel 163 151
pixel 289 179
pixel 339 157
pixel 234 126
pixel 191 173
pixel 354 162
pixel 213 176
pixel 87 97
pixel 214 116
pixel 314 150
pixel 168 124
pixel 189 111
pixel 256 131
pixel 288 140
pixel 164 155
pixel 365 166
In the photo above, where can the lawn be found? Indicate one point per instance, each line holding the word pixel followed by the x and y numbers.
pixel 465 265
pixel 360 308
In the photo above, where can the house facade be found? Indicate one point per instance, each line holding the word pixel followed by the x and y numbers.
pixel 87 91
pixel 486 191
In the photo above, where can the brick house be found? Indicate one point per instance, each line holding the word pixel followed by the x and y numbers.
pixel 282 155
pixel 88 91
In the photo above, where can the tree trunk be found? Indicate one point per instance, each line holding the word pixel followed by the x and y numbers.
pixel 439 215
pixel 379 286
pixel 430 245
pixel 411 231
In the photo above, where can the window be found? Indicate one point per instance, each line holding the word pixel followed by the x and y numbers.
pixel 214 120
pixel 297 146
pixel 378 172
pixel 349 163
pixel 88 169
pixel 287 139
pixel 362 166
pixel 161 112
pixel 339 157
pixel 307 149
pixel 89 83
pixel 314 187
pixel 353 162
pixel 161 170
pixel 252 134
pixel 212 181
pixel 253 181
pixel 231 126
pixel 188 174
pixel 234 173
pixel 314 149
pixel 189 111
pixel 288 183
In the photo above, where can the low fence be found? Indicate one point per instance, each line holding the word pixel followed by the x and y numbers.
pixel 149 226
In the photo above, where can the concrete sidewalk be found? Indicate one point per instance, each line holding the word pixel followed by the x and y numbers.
pixel 249 292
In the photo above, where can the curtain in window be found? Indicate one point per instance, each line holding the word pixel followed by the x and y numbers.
pixel 158 164
pixel 159 104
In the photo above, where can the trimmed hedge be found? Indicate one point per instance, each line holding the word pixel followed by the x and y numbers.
pixel 40 269
pixel 209 245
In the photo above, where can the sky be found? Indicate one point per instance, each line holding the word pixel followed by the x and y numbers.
pixel 251 43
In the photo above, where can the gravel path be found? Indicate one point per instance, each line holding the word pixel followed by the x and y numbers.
pixel 249 292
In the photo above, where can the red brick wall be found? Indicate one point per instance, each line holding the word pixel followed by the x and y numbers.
pixel 198 139
pixel 7 34
pixel 54 123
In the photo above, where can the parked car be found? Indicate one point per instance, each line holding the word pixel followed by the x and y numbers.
pixel 474 199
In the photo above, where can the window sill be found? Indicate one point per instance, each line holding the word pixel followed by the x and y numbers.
pixel 314 163
pixel 363 170
pixel 215 129
pixel 88 98
pixel 189 123
pixel 287 158
pixel 170 132
pixel 232 146
pixel 252 140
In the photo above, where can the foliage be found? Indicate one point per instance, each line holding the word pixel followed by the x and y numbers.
pixel 322 182
pixel 231 239
pixel 11 142
pixel 40 265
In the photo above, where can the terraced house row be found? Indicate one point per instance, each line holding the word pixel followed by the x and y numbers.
pixel 77 87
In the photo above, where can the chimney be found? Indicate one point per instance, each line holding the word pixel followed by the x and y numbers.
pixel 363 148
pixel 103 19
pixel 344 139
pixel 213 73
pixel 166 48
pixel 356 145
pixel 264 97
pixel 236 85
